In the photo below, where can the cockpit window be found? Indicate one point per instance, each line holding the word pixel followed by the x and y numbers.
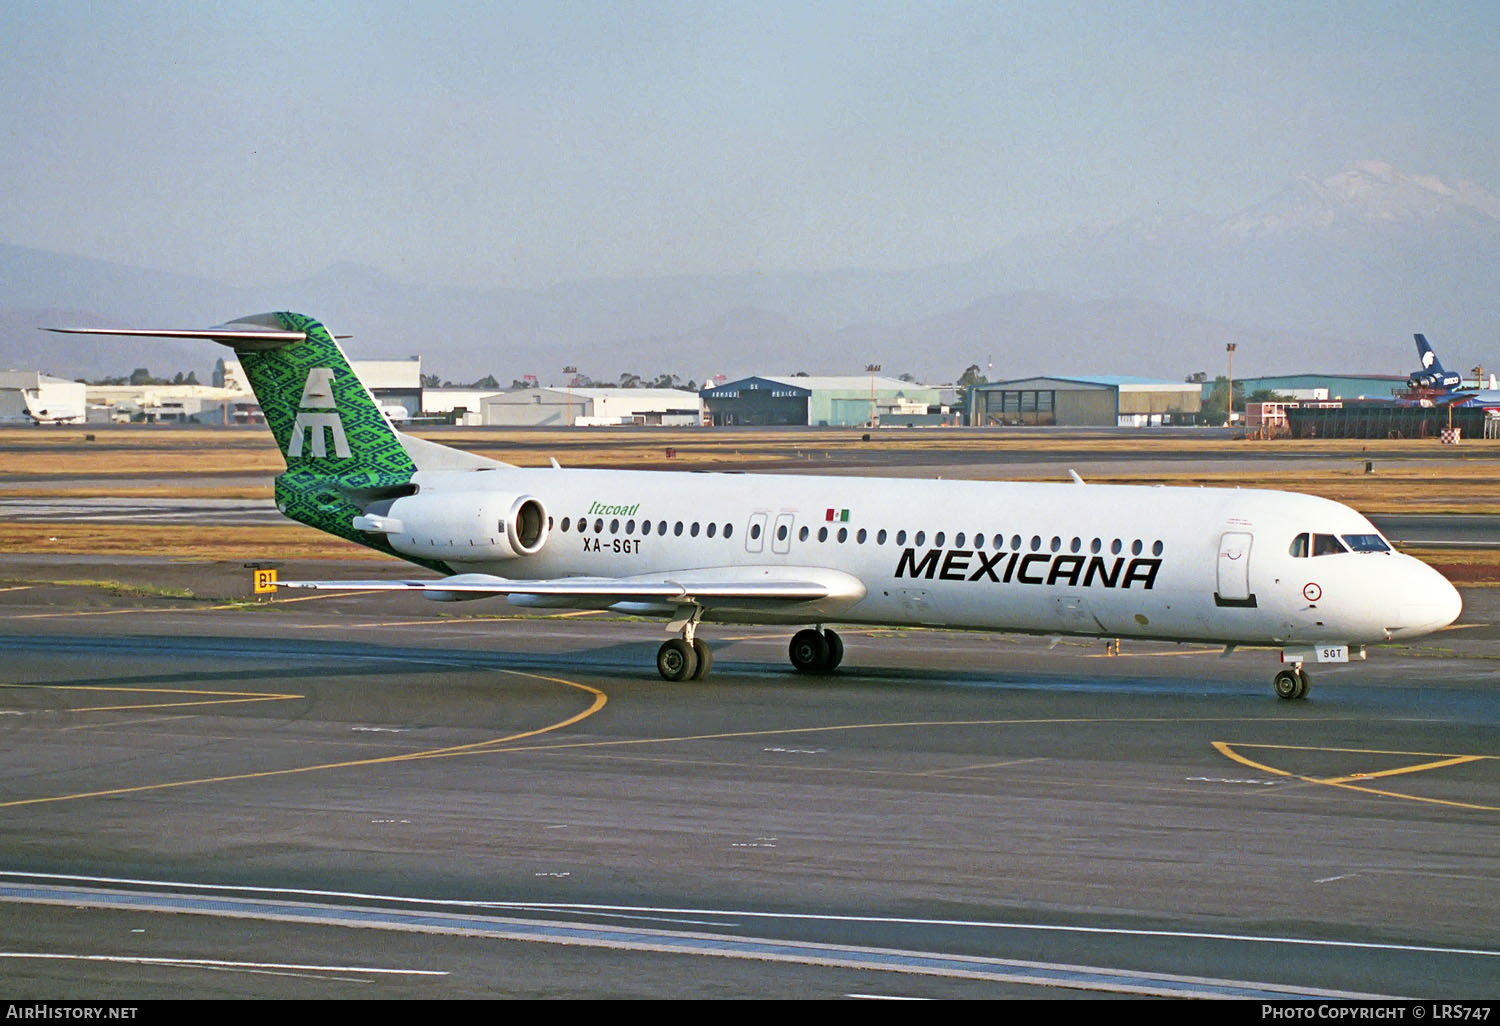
pixel 1326 545
pixel 1298 547
pixel 1366 543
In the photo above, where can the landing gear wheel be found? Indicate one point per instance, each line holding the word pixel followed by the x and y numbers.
pixel 808 651
pixel 1290 684
pixel 1304 682
pixel 835 650
pixel 705 658
pixel 676 660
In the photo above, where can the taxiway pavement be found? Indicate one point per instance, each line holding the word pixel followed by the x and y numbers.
pixel 379 796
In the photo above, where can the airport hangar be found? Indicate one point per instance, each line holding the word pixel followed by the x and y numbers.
pixel 1319 386
pixel 1102 401
pixel 820 402
pixel 592 407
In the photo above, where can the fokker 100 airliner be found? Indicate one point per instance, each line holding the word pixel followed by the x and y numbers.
pixel 1230 567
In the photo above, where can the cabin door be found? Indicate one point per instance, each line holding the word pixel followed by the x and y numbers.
pixel 1234 566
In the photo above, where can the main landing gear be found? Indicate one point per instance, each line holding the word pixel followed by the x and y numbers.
pixel 680 659
pixel 1292 683
pixel 688 657
pixel 816 651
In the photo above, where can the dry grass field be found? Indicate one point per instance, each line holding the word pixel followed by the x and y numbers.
pixel 1404 476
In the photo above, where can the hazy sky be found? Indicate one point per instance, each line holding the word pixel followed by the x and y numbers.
pixel 523 144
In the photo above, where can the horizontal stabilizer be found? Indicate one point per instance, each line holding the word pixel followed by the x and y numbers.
pixel 239 335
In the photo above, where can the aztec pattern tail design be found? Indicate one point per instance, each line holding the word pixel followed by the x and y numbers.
pixel 341 452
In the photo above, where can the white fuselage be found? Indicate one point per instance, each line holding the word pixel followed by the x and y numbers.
pixel 1103 560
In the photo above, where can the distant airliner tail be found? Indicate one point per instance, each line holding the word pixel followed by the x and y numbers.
pixel 1425 354
pixel 1432 375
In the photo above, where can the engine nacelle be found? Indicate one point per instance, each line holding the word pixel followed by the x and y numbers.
pixel 461 526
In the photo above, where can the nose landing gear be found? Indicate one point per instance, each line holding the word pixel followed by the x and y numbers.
pixel 1292 683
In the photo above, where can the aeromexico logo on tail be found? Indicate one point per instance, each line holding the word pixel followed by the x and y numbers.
pixel 318 417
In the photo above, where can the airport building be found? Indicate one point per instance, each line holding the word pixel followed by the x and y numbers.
pixel 820 401
pixel 1319 386
pixel 592 407
pixel 1102 401
pixel 394 383
pixel 462 406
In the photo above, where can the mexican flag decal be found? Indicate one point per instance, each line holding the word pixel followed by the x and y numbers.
pixel 839 516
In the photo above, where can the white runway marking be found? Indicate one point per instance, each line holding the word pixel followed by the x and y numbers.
pixel 459 917
pixel 216 963
pixel 558 906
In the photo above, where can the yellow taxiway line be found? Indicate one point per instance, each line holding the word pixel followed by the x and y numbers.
pixel 1436 760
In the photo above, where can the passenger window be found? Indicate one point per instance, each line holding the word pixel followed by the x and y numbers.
pixel 920 538
pixel 630 527
pixel 1135 547
pixel 860 537
pixel 599 526
pixel 1075 544
pixel 938 539
pixel 677 529
pixel 754 530
pixel 1156 547
pixel 880 537
pixel 802 534
pixel 1298 547
pixel 1056 543
pixel 900 537
pixel 1115 547
pixel 645 527
pixel 694 529
pixel 728 530
pixel 781 533
pixel 1095 545
pixel 979 541
pixel 1036 543
pixel 566 521
pixel 958 540
pixel 843 535
pixel 713 529
pixel 614 527
pixel 1015 543
pixel 661 527
pixel 822 534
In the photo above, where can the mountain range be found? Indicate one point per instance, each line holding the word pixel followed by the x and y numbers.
pixel 1328 274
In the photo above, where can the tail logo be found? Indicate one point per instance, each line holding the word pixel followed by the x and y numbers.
pixel 317 417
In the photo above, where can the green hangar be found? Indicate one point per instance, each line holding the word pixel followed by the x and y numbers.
pixel 1101 401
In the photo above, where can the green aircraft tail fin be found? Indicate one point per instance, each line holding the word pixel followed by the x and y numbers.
pixel 321 414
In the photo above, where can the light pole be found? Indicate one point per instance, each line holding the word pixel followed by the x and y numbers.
pixel 1229 348
pixel 873 369
pixel 569 370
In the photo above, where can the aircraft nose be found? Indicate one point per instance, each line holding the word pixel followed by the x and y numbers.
pixel 1428 602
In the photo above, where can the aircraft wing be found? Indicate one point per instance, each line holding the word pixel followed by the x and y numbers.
pixel 708 587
